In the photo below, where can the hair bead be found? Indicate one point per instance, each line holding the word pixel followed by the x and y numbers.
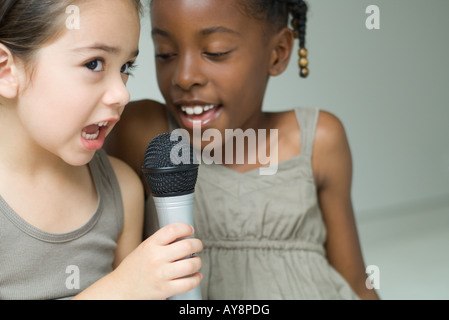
pixel 303 52
pixel 304 72
pixel 303 62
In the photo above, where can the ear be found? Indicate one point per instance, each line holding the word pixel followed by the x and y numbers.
pixel 8 76
pixel 282 44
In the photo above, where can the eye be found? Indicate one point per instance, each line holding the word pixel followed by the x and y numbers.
pixel 95 65
pixel 164 56
pixel 216 55
pixel 127 68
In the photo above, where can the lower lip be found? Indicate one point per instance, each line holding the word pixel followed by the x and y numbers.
pixel 206 118
pixel 96 144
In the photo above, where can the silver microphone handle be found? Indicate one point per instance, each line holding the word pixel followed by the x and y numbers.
pixel 177 209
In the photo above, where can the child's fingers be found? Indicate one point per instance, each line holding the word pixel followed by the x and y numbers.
pixel 186 284
pixel 171 233
pixel 183 248
pixel 183 268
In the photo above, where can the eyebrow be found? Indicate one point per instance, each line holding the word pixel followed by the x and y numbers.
pixel 157 31
pixel 204 32
pixel 108 49
pixel 218 29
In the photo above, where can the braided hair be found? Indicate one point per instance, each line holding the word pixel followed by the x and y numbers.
pixel 277 13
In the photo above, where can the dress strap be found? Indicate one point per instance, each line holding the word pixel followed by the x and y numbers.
pixel 307 121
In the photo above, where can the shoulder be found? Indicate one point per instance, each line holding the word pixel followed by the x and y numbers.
pixel 329 128
pixel 145 114
pixel 140 122
pixel 143 118
pixel 144 106
pixel 330 133
pixel 127 178
pixel 331 152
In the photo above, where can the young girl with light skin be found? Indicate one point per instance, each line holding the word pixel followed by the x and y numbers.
pixel 296 239
pixel 63 202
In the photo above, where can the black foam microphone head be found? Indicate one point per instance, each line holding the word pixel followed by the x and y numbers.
pixel 168 166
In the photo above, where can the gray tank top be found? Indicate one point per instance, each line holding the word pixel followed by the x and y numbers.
pixel 36 265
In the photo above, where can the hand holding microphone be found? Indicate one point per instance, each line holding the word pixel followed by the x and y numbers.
pixel 171 174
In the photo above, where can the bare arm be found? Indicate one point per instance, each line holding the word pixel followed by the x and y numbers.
pixel 133 206
pixel 332 164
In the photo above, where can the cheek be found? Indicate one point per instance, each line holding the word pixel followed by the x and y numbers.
pixel 50 121
pixel 54 110
pixel 164 75
pixel 244 85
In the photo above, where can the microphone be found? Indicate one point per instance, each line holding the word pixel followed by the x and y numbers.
pixel 171 174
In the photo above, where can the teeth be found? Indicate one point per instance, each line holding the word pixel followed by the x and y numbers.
pixel 91 136
pixel 197 110
pixel 103 124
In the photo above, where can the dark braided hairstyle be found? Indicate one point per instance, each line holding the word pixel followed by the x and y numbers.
pixel 277 13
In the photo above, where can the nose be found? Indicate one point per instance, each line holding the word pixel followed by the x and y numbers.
pixel 116 95
pixel 189 73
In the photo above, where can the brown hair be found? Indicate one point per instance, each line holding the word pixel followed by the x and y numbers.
pixel 26 25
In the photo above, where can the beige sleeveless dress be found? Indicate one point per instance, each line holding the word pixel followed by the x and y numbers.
pixel 264 236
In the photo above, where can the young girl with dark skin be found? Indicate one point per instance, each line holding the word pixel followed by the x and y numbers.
pixel 214 60
pixel 71 216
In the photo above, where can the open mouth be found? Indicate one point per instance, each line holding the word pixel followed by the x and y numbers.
pixel 93 136
pixel 92 132
pixel 199 113
pixel 197 110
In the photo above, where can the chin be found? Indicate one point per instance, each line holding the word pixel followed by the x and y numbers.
pixel 79 159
